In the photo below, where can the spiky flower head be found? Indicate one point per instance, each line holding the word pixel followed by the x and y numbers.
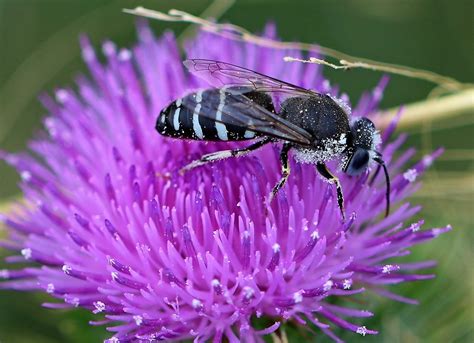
pixel 198 256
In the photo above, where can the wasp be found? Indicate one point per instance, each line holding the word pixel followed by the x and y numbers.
pixel 242 105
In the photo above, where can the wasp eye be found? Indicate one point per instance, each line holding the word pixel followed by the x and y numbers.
pixel 358 162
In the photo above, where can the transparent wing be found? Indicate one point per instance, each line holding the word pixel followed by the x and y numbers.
pixel 221 74
pixel 238 110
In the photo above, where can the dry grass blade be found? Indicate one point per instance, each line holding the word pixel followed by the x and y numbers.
pixel 346 61
pixel 443 82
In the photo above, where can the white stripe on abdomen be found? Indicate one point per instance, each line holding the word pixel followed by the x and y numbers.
pixel 220 127
pixel 196 126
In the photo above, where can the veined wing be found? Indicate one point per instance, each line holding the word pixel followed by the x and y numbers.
pixel 232 108
pixel 221 74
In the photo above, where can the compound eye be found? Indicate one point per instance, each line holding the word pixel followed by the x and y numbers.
pixel 358 162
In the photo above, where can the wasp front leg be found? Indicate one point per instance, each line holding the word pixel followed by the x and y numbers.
pixel 326 173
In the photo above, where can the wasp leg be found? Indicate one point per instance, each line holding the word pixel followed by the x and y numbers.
pixel 285 170
pixel 220 155
pixel 324 171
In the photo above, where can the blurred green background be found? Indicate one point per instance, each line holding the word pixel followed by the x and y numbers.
pixel 39 51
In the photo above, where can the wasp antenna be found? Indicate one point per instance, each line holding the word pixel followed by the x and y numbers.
pixel 387 182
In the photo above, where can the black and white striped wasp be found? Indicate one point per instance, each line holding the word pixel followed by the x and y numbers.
pixel 243 106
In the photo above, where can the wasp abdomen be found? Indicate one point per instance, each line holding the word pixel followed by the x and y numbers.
pixel 201 116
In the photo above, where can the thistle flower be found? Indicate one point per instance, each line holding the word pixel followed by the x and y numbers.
pixel 198 256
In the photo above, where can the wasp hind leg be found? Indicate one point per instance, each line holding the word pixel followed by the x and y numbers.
pixel 285 170
pixel 326 173
pixel 221 155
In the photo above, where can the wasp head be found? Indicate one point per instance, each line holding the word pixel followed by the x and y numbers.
pixel 362 149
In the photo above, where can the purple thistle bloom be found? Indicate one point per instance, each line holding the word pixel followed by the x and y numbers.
pixel 198 256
